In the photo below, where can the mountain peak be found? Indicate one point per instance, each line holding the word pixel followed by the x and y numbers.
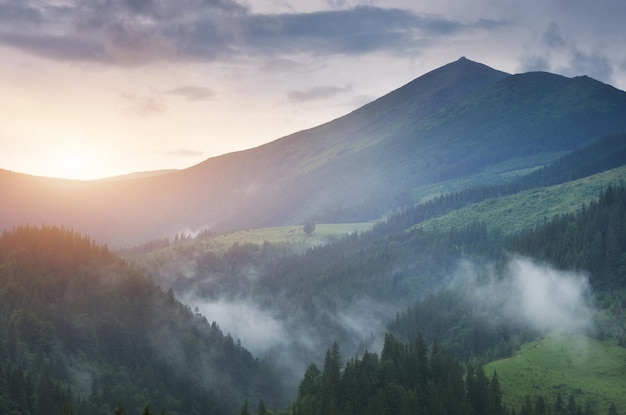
pixel 462 73
pixel 465 64
pixel 438 88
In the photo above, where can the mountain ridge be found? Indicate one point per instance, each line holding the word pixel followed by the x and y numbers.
pixel 455 121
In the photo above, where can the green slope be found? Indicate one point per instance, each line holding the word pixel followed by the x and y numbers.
pixel 591 369
pixel 292 238
pixel 524 211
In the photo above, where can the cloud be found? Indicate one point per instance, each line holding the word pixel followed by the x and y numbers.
pixel 547 298
pixel 533 294
pixel 595 65
pixel 192 93
pixel 535 63
pixel 364 321
pixel 558 51
pixel 336 3
pixel 138 47
pixel 317 93
pixel 552 37
pixel 286 336
pixel 121 32
pixel 351 31
pixel 257 329
pixel 282 65
pixel 144 105
pixel 136 32
pixel 18 12
pixel 63 47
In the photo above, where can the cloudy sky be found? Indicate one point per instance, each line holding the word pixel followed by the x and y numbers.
pixel 94 88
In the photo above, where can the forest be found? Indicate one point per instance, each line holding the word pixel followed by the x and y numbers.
pixel 447 377
pixel 88 330
pixel 414 378
pixel 82 332
pixel 385 265
pixel 85 332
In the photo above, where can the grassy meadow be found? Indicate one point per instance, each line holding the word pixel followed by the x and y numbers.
pixel 525 210
pixel 292 235
pixel 594 370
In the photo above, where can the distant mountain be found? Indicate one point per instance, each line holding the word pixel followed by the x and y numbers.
pixel 464 123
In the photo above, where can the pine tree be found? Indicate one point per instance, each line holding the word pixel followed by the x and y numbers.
pixel 477 388
pixel 119 410
pixel 331 381
pixel 572 407
pixel 244 408
pixel 559 406
pixel 495 395
pixel 310 383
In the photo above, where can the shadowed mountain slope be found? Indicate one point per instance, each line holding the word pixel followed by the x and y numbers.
pixel 77 319
pixel 454 122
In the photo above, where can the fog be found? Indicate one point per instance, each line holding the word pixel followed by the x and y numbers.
pixel 290 335
pixel 550 299
pixel 258 329
pixel 290 340
pixel 532 294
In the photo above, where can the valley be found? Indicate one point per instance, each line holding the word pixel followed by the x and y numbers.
pixel 386 262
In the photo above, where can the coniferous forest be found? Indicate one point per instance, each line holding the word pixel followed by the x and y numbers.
pixel 83 332
pixel 87 311
pixel 413 378
pixel 446 376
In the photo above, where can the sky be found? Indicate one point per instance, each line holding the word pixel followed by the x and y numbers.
pixel 98 88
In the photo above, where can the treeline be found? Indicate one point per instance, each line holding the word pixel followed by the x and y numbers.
pixel 592 240
pixel 81 331
pixel 413 378
pixel 404 379
pixel 466 331
pixel 161 243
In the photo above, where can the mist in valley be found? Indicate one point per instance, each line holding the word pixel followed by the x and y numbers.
pixel 290 333
pixel 291 339
pixel 529 293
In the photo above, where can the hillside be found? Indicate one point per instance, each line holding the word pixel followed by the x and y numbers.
pixel 360 282
pixel 351 288
pixel 528 209
pixel 463 121
pixel 80 330
pixel 591 370
pixel 141 174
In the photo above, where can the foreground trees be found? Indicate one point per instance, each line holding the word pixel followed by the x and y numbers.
pixel 404 379
pixel 414 379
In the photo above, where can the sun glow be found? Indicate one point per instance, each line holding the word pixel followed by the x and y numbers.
pixel 73 162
